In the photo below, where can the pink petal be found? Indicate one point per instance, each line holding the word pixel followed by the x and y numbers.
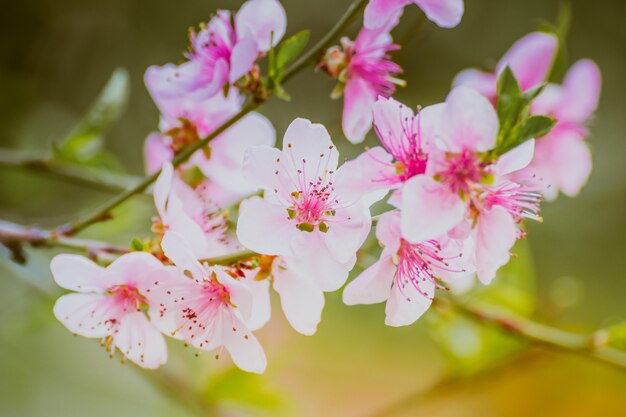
pixel 262 20
pixel 468 121
pixel 244 348
pixel 77 273
pixel 581 90
pixel 226 164
pixel 364 177
pixel 242 58
pixel 357 109
pixel 170 81
pixel 371 286
pixel 347 231
pixel 495 235
pixel 317 264
pixel 265 228
pixel 156 153
pixel 445 13
pixel 530 59
pixel 140 342
pixel 405 304
pixel 390 118
pixel 262 167
pixel 178 251
pixel 302 301
pixel 388 230
pixel 162 189
pixel 483 82
pixel 379 12
pixel 516 159
pixel 239 292
pixel 131 268
pixel 84 314
pixel 261 307
pixel 428 210
pixel 306 141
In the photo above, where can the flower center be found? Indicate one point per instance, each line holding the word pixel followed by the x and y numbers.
pixel 127 297
pixel 461 171
pixel 417 263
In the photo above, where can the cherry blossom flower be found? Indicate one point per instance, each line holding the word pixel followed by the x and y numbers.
pixel 186 121
pixel 187 212
pixel 365 72
pixel 461 186
pixel 303 218
pixel 110 303
pixel 210 307
pixel 562 160
pixel 530 59
pixel 406 141
pixel 445 13
pixel 407 274
pixel 222 51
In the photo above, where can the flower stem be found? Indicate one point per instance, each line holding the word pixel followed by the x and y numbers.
pixel 309 58
pixel 95 179
pixel 13 236
pixel 588 344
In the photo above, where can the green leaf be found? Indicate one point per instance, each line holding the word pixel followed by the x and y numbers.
pixel 291 48
pixel 535 127
pixel 509 102
pixel 137 245
pixel 84 145
pixel 470 347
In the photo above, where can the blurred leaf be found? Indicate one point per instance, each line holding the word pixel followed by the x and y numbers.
pixel 291 48
pixel 85 144
pixel 471 347
pixel 249 391
pixel 616 336
pixel 288 50
pixel 535 127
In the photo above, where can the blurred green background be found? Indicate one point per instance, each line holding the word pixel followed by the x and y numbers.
pixel 57 55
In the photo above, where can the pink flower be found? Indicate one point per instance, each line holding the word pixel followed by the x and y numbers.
pixel 445 13
pixel 530 59
pixel 187 212
pixel 303 215
pixel 562 160
pixel 210 308
pixel 406 142
pixel 368 72
pixel 407 274
pixel 185 122
pixel 460 186
pixel 301 207
pixel 109 304
pixel 222 51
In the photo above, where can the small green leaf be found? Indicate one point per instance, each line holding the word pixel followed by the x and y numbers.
pixel 137 245
pixel 84 144
pixel 535 127
pixel 291 48
pixel 509 103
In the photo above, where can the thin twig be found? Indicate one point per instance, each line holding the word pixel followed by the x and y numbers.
pixel 591 345
pixel 309 58
pixel 91 178
pixel 14 236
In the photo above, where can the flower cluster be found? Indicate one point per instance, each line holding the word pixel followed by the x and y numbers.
pixel 460 186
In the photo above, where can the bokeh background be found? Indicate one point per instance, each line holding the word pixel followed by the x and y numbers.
pixel 56 55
